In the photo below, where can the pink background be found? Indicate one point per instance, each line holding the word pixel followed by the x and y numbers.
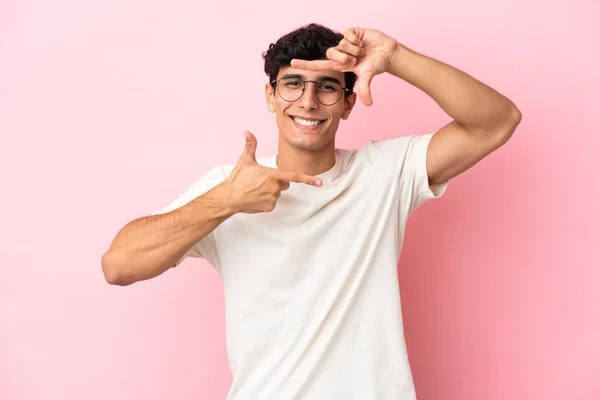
pixel 108 110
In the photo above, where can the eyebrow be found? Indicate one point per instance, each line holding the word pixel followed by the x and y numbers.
pixel 319 78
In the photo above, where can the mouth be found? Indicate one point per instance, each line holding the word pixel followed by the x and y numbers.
pixel 307 124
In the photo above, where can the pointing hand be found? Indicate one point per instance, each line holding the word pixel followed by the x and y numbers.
pixel 255 188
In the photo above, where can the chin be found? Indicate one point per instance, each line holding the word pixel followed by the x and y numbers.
pixel 308 143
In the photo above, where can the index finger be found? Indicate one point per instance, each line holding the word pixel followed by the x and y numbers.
pixel 316 65
pixel 300 178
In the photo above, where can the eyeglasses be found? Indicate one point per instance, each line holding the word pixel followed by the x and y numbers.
pixel 328 91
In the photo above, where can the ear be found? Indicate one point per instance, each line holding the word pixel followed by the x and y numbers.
pixel 270 97
pixel 349 102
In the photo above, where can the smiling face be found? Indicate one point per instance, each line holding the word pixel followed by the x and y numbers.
pixel 306 123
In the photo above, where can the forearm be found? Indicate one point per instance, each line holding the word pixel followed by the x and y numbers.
pixel 470 102
pixel 149 246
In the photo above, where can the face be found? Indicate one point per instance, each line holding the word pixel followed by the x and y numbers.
pixel 306 123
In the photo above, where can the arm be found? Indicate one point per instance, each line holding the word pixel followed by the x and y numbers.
pixel 483 119
pixel 149 246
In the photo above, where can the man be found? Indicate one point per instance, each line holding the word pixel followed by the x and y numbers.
pixel 307 241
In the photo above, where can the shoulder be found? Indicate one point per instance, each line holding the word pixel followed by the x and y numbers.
pixel 392 150
pixel 402 144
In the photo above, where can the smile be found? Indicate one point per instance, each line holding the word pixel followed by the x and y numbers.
pixel 306 123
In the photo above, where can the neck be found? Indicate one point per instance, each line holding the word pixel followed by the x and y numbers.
pixel 311 162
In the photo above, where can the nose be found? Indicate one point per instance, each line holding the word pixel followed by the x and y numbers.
pixel 308 100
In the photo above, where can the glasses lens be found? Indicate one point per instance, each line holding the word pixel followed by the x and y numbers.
pixel 290 89
pixel 328 92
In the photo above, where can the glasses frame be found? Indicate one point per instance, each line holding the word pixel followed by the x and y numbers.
pixel 275 82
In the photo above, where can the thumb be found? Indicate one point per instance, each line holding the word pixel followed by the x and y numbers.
pixel 364 88
pixel 250 149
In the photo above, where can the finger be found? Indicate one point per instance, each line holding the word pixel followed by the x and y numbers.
pixel 350 48
pixel 335 54
pixel 284 185
pixel 364 88
pixel 300 178
pixel 352 35
pixel 250 149
pixel 316 65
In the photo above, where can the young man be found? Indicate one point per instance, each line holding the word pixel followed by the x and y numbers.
pixel 307 241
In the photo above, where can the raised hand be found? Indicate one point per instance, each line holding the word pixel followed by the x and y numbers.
pixel 366 52
pixel 254 188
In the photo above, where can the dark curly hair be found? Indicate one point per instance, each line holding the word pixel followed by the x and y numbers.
pixel 309 42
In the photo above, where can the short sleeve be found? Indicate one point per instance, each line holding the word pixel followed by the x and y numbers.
pixel 205 248
pixel 408 157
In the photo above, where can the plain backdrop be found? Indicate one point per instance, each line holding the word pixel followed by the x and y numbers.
pixel 109 110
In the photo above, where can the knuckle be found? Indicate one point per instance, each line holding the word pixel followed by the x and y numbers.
pixel 271 177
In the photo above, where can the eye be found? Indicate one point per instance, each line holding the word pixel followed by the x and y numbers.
pixel 327 88
pixel 293 83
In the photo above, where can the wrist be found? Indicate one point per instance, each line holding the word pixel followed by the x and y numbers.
pixel 219 201
pixel 399 60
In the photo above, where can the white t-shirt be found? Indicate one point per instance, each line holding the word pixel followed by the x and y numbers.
pixel 311 288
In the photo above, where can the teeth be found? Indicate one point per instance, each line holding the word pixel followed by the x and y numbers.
pixel 305 122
